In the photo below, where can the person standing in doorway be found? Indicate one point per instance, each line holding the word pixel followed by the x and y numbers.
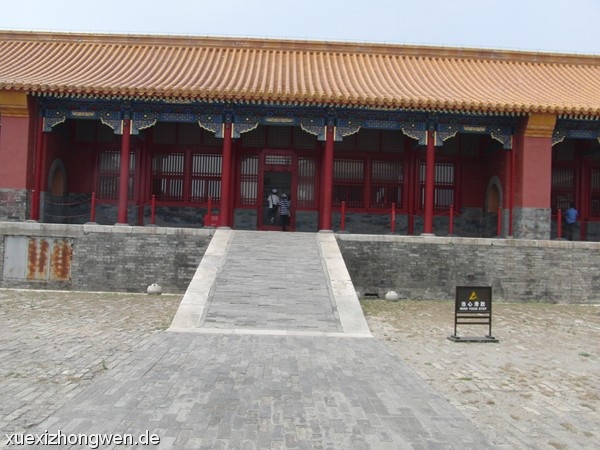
pixel 285 208
pixel 571 215
pixel 273 206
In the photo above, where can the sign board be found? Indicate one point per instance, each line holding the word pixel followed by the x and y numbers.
pixel 473 299
pixel 473 306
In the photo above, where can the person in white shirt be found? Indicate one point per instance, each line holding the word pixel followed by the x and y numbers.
pixel 273 206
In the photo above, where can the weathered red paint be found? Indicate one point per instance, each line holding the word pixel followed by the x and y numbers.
pixel 46 262
pixel 60 261
pixel 37 259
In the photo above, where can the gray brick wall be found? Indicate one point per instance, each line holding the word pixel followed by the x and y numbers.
pixel 124 258
pixel 420 267
pixel 115 258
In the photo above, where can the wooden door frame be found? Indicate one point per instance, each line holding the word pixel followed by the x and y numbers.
pixel 264 167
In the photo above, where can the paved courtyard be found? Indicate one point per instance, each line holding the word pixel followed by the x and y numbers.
pixel 536 388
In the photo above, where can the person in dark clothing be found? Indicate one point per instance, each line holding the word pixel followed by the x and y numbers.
pixel 285 207
pixel 571 215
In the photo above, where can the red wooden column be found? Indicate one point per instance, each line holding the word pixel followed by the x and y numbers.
pixel 124 172
pixel 226 177
pixel 39 160
pixel 511 189
pixel 412 176
pixel 429 183
pixel 327 190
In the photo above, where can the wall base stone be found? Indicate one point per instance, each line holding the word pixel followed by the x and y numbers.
pixel 532 223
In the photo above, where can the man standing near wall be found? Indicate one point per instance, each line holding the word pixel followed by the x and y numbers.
pixel 571 215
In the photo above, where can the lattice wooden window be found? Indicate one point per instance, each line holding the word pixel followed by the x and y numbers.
pixel 206 177
pixel 249 180
pixel 444 185
pixel 348 182
pixel 563 187
pixel 109 167
pixel 387 178
pixel 307 172
pixel 278 160
pixel 168 176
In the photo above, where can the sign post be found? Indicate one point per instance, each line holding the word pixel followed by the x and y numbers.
pixel 473 307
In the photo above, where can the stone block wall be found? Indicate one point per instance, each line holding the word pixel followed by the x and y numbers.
pixel 103 258
pixel 124 258
pixel 14 204
pixel 429 267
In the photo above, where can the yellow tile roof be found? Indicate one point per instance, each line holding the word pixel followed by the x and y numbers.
pixel 300 72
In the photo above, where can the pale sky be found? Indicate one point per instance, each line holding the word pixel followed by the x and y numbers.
pixel 558 26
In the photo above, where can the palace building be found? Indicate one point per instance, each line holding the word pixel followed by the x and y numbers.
pixel 366 138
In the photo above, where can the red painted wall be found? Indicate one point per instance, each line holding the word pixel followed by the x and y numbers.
pixel 15 153
pixel 533 172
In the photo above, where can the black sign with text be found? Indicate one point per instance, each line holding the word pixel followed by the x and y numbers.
pixel 473 299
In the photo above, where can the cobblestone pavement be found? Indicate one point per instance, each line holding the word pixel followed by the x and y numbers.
pixel 55 344
pixel 535 389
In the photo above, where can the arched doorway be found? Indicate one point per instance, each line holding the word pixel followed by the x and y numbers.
pixel 493 203
pixel 57 179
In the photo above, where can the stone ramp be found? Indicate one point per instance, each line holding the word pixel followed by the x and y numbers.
pixel 271 282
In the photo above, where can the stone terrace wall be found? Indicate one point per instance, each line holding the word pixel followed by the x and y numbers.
pixel 429 267
pixel 125 258
pixel 103 258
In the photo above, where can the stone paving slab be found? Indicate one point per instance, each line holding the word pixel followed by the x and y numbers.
pixel 206 391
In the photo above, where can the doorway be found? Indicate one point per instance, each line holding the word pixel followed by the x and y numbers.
pixel 276 173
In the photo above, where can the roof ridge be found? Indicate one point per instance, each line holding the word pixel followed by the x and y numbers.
pixel 299 45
